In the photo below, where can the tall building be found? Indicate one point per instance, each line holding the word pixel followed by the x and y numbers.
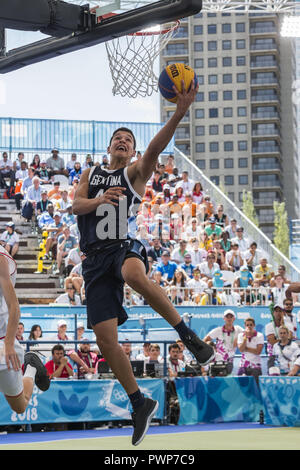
pixel 241 130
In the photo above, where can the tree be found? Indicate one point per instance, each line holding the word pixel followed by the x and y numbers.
pixel 281 228
pixel 248 207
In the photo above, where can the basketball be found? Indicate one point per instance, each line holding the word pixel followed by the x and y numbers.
pixel 173 74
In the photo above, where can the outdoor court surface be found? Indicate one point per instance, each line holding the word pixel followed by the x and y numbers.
pixel 222 436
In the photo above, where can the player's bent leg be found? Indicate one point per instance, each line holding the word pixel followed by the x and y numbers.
pixel 134 274
pixel 16 389
pixel 17 403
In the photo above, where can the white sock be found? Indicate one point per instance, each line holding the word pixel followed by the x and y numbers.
pixel 30 372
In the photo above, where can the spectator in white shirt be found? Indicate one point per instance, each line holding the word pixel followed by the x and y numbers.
pixel 250 343
pixel 231 228
pixel 71 163
pixel 208 269
pixel 234 257
pixel 34 192
pixel 287 353
pixel 69 298
pixel 252 256
pixel 18 163
pixel 22 172
pixel 240 239
pixel 198 254
pixel 186 184
pixel 10 239
pixel 174 364
pixel 226 338
pixel 192 230
pixel 196 286
pixel 6 171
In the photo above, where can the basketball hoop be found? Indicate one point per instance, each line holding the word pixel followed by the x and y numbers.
pixel 131 59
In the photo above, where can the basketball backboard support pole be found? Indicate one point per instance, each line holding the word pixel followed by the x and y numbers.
pixel 115 26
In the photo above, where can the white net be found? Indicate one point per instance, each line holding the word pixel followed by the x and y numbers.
pixel 131 60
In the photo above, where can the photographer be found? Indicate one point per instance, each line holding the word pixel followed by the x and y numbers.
pixel 225 338
pixel 58 367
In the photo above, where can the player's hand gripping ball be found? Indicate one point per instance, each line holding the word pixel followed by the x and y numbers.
pixel 172 75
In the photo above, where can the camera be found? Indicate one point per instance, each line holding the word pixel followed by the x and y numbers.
pixel 218 369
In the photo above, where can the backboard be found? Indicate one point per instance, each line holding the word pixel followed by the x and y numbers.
pixel 59 37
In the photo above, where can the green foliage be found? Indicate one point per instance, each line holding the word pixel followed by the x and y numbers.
pixel 248 207
pixel 281 228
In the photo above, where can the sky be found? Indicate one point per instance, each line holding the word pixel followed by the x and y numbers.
pixel 73 86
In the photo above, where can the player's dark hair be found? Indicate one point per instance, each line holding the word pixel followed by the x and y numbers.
pixel 124 129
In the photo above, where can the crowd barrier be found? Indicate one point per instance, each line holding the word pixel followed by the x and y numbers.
pixel 201 400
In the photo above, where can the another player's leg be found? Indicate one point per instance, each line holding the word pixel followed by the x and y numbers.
pixel 143 408
pixel 18 388
pixel 134 274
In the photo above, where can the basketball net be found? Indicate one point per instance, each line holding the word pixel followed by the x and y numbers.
pixel 131 60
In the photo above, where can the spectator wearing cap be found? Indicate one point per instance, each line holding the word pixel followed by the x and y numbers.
pixel 180 251
pixel 70 164
pixel 56 164
pixel 243 278
pixel 234 257
pixel 44 173
pixel 54 230
pixel 213 228
pixel 69 218
pixel 187 265
pixel 241 239
pixel 42 205
pixel 65 243
pixel 166 267
pixel 55 193
pixel 167 193
pixel 10 239
pixel 225 338
pixel 76 172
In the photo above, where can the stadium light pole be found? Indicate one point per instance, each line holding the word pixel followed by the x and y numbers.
pixel 290 27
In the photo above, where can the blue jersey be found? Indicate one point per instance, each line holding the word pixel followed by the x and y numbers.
pixel 108 224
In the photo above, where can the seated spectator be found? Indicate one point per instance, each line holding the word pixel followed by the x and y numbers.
pixel 279 290
pixel 70 164
pixel 187 265
pixel 212 228
pixel 149 194
pixel 257 295
pixel 220 255
pixel 69 298
pixel 250 343
pixel 35 333
pixel 252 256
pixel 76 276
pixel 166 193
pixel 69 218
pixel 234 257
pixel 154 355
pixel 105 162
pixel 61 334
pixel 230 297
pixel 198 254
pixel 226 338
pixel 208 268
pixel 211 297
pixel 243 278
pixel 290 319
pixel 55 193
pixel 197 193
pixel 127 348
pixel 225 241
pixel 88 163
pixel 54 231
pixel 58 367
pixel 85 359
pixel 174 364
pixel 20 331
pixel 282 271
pixel 33 194
pixel 184 355
pixel 221 219
pixel 62 204
pixel 155 250
pixel 174 177
pixel 65 243
pixel 231 228
pixel 158 279
pixel 174 205
pixel 189 208
pixel 130 298
pixel 22 173
pixel 206 209
pixel 186 183
pixel 44 173
pixel 196 286
pixel 18 162
pixel 56 164
pixel 146 352
pixel 47 217
pixel 179 252
pixel 205 242
pixel 76 172
pixel 287 354
pixel 27 182
pixel 193 230
pixel 156 228
pixel 142 235
pixel 6 171
pixel 170 164
pixel 177 291
pixel 10 239
pixel 180 194
pixel 166 267
pixel 42 205
pixel 272 333
pixel 263 272
pixel 176 227
pixel 240 239
pixel 36 162
pixel 217 279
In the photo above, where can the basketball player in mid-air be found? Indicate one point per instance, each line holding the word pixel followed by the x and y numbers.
pixel 106 201
pixel 16 388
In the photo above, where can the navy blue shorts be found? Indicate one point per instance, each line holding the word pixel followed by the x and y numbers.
pixel 104 282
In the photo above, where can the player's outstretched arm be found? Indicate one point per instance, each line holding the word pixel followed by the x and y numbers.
pixel 11 300
pixel 147 164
